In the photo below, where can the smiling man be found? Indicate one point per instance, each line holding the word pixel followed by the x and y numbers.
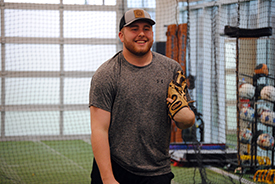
pixel 129 114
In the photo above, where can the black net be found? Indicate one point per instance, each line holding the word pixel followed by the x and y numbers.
pixel 51 49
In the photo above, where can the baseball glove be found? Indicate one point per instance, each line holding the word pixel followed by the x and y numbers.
pixel 177 92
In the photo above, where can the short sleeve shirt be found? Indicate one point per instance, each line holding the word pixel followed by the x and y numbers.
pixel 139 132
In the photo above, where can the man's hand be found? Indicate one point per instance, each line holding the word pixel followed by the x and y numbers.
pixel 110 181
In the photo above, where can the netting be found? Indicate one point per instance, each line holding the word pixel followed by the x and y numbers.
pixel 51 49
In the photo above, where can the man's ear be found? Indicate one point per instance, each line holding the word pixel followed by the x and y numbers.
pixel 120 35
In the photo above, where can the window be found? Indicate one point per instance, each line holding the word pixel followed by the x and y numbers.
pixel 50 55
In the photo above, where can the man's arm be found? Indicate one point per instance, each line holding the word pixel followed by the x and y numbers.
pixel 184 118
pixel 100 122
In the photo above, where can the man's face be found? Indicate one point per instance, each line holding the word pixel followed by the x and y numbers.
pixel 137 38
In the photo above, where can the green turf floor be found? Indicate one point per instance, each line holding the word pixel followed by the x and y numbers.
pixel 69 161
pixel 45 162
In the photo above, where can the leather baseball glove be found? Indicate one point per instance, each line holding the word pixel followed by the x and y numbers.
pixel 177 92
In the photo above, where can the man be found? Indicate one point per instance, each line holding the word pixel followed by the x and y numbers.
pixel 128 104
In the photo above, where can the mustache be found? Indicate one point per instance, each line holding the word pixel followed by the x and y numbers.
pixel 142 39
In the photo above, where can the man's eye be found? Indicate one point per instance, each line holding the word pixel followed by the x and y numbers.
pixel 147 29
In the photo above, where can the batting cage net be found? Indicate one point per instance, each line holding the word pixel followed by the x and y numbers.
pixel 50 50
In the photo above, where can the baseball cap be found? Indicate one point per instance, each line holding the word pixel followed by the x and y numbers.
pixel 133 15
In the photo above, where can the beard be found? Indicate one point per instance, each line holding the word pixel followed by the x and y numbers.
pixel 138 50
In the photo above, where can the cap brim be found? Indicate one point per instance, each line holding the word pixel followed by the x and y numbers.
pixel 150 21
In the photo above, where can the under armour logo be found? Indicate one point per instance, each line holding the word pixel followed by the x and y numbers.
pixel 160 81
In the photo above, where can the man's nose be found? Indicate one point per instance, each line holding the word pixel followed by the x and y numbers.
pixel 141 33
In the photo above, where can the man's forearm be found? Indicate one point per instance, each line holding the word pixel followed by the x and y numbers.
pixel 185 118
pixel 101 150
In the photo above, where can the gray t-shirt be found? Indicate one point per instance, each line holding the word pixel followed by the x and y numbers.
pixel 140 128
